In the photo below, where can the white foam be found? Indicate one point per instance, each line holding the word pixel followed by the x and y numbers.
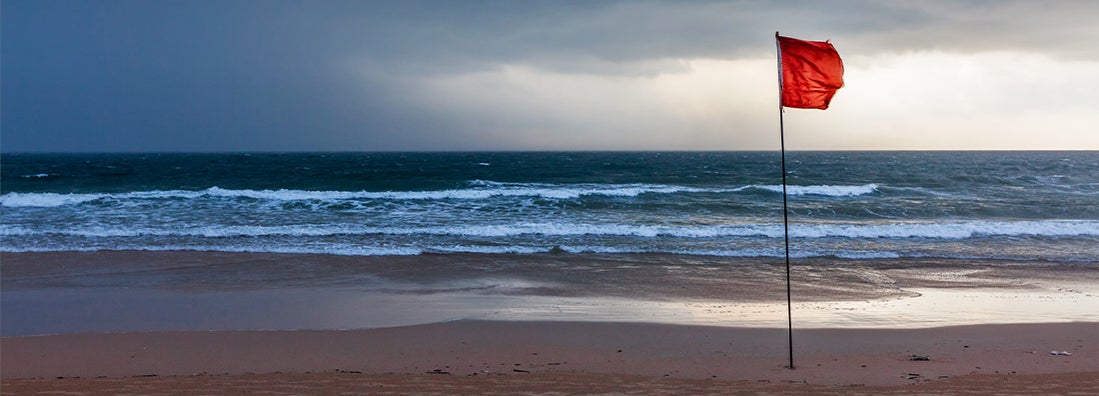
pixel 953 230
pixel 478 189
pixel 824 190
pixel 45 200
pixel 530 190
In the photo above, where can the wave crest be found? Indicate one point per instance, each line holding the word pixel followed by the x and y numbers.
pixel 478 189
pixel 953 230
pixel 824 190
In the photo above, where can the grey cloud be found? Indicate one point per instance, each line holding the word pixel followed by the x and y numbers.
pixel 630 37
pixel 297 75
pixel 1059 29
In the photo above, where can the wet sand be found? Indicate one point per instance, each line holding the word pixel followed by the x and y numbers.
pixel 634 276
pixel 74 292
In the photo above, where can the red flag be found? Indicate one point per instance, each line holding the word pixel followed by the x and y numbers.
pixel 811 72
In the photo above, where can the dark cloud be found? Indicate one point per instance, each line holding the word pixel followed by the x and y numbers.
pixel 610 37
pixel 295 75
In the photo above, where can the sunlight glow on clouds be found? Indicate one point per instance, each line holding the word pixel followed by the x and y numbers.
pixel 914 100
pixel 701 104
pixel 936 100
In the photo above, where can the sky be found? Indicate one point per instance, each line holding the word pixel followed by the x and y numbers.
pixel 270 75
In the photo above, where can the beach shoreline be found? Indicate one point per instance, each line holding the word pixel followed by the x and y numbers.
pixel 127 291
pixel 160 322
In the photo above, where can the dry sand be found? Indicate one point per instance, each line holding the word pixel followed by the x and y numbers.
pixel 476 357
pixel 344 383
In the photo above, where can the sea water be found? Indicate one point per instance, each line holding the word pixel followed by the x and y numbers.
pixel 849 205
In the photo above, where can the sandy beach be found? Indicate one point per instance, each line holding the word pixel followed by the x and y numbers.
pixel 231 323
pixel 354 383
pixel 572 357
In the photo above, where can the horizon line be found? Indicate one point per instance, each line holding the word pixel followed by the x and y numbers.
pixel 460 151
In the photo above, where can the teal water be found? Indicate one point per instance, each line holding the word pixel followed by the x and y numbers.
pixel 854 205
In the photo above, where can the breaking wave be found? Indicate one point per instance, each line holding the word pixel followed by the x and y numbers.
pixel 952 230
pixel 477 190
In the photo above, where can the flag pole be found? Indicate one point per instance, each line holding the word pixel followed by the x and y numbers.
pixel 785 211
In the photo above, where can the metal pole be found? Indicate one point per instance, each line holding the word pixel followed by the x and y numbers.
pixel 785 211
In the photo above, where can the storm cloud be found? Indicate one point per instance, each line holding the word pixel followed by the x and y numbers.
pixel 506 75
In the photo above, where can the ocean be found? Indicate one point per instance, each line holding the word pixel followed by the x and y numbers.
pixel 1023 206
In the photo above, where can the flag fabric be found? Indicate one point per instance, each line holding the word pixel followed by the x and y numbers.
pixel 812 71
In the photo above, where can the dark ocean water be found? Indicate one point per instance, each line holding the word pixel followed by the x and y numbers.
pixel 998 205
